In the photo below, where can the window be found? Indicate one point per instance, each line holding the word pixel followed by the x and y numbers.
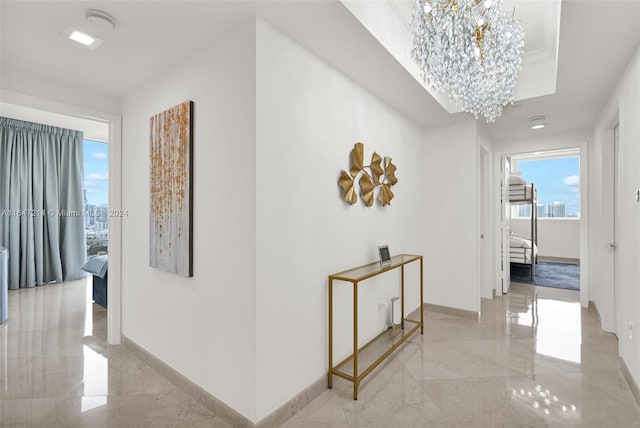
pixel 557 179
pixel 96 196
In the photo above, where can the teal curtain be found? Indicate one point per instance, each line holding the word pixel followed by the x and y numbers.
pixel 41 202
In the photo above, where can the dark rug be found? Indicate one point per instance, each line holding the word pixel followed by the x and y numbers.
pixel 556 275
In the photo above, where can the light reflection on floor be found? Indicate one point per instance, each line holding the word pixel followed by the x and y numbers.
pixel 555 323
pixel 559 332
pixel 96 379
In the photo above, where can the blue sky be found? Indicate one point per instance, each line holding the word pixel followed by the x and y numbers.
pixel 556 180
pixel 96 172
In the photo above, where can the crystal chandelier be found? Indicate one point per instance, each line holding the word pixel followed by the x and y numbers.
pixel 470 49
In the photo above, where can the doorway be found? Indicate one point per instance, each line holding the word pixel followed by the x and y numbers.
pixel 545 218
pixel 574 183
pixel 97 126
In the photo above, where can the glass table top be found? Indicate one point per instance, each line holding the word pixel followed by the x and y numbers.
pixel 367 271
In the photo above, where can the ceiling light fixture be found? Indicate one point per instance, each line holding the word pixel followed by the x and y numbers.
pixel 82 37
pixel 471 49
pixel 537 122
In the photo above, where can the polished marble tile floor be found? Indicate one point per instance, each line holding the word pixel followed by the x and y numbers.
pixel 57 370
pixel 536 359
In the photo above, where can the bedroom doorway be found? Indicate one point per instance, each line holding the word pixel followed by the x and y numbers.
pixel 544 230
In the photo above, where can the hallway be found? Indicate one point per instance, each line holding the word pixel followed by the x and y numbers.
pixel 535 359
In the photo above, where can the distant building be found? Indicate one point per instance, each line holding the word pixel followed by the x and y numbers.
pixel 555 209
pixel 540 210
pixel 524 210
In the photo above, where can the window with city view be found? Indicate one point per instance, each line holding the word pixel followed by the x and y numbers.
pixel 96 191
pixel 558 182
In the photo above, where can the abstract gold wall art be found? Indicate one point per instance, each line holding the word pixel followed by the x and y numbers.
pixel 171 216
pixel 376 176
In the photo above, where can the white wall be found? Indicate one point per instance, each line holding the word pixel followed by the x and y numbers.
pixel 309 116
pixel 385 21
pixel 564 140
pixel 624 105
pixel 449 173
pixel 205 326
pixel 92 129
pixel 40 88
pixel 556 237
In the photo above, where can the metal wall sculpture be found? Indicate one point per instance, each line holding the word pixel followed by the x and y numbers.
pixel 376 176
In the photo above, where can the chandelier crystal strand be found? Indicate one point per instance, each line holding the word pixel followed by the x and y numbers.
pixel 471 50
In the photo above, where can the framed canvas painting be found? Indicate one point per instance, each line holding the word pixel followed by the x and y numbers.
pixel 171 176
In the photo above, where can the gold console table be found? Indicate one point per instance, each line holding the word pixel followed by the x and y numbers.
pixel 380 347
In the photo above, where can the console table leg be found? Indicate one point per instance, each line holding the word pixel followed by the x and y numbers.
pixel 401 298
pixel 421 299
pixel 355 341
pixel 330 374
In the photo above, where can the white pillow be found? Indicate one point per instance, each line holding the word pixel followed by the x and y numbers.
pixel 519 242
pixel 517 179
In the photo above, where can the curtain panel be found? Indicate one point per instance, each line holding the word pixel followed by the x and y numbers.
pixel 41 202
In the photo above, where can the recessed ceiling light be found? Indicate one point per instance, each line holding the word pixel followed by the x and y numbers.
pixel 82 37
pixel 537 122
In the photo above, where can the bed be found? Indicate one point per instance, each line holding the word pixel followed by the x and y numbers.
pixel 524 250
pixel 521 250
pixel 520 191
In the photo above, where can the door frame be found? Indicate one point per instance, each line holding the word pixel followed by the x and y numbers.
pixel 532 146
pixel 114 303
pixel 504 276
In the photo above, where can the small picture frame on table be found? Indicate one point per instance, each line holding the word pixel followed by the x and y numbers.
pixel 385 256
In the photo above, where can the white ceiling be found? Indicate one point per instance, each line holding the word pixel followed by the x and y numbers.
pixel 541 18
pixel 597 38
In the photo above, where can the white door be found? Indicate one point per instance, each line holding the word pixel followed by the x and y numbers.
pixel 505 216
pixel 484 246
pixel 616 223
pixel 607 271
